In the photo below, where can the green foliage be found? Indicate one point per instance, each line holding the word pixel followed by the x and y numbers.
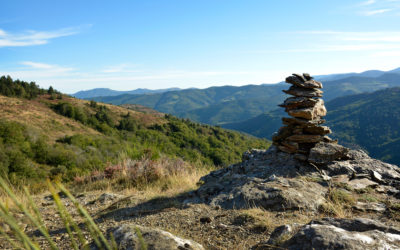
pixel 17 88
pixel 26 158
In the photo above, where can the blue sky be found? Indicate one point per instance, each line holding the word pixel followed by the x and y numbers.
pixel 124 45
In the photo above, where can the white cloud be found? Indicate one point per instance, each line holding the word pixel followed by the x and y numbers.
pixel 375 12
pixel 121 68
pixel 32 37
pixel 368 2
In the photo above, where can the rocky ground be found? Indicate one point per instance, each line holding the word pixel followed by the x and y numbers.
pixel 339 199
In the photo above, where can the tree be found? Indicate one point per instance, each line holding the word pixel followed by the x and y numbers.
pixel 50 91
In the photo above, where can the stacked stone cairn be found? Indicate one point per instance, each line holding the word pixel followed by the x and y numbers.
pixel 303 130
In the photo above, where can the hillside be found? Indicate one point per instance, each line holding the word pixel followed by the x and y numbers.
pixel 370 120
pixel 228 104
pixel 48 136
pixel 87 94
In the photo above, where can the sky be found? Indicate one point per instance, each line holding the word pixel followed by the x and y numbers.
pixel 123 45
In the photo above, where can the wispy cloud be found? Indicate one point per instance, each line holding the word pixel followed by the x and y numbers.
pixel 377 7
pixel 33 37
pixel 368 2
pixel 121 68
pixel 375 12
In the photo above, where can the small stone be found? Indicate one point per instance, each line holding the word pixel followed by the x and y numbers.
pixel 376 176
pixel 307 76
pixel 205 219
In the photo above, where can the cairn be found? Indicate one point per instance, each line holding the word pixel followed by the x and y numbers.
pixel 303 129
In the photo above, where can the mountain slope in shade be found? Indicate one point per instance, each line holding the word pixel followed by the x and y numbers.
pixel 370 120
pixel 87 94
pixel 228 104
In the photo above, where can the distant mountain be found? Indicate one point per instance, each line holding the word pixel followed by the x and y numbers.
pixel 87 94
pixel 368 73
pixel 229 104
pixel 370 120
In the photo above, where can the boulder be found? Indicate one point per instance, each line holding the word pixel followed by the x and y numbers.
pixel 334 233
pixel 302 92
pixel 324 153
pixel 278 194
pixel 127 237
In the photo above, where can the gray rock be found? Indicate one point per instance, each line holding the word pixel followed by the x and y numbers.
pixel 324 153
pixel 126 237
pixel 281 234
pixel 331 233
pixel 370 206
pixel 249 184
pixel 358 184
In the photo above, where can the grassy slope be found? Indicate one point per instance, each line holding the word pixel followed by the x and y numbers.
pixel 50 144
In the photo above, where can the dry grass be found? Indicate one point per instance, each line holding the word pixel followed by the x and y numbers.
pixel 149 177
pixel 39 117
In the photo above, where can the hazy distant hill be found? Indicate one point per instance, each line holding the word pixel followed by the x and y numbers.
pixel 371 120
pixel 228 104
pixel 87 94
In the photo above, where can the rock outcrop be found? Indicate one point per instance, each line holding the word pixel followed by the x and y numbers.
pixel 303 129
pixel 278 178
pixel 130 236
pixel 332 233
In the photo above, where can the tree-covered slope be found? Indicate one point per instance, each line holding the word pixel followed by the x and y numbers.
pixel 228 104
pixel 46 136
pixel 370 120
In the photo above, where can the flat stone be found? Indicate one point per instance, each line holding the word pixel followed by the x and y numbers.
pixel 301 77
pixel 312 113
pixel 358 184
pixel 370 207
pixel 300 121
pixel 300 81
pixel 297 91
pixel 317 130
pixel 292 145
pixel 286 149
pixel 298 102
pixel 305 138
